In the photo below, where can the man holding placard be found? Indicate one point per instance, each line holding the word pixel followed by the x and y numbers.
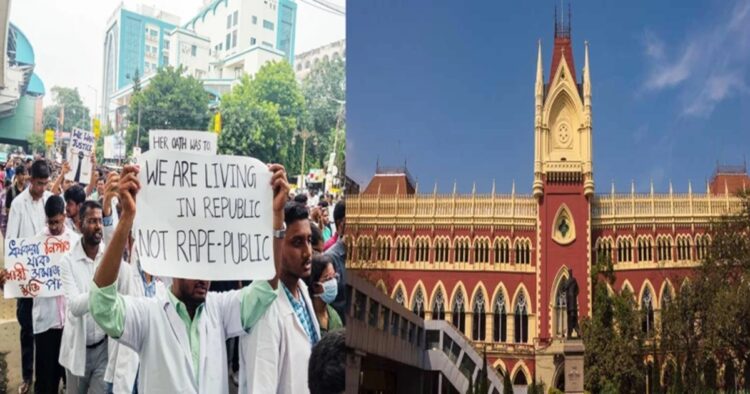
pixel 180 338
pixel 49 312
pixel 26 219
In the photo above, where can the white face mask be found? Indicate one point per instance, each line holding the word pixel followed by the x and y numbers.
pixel 330 290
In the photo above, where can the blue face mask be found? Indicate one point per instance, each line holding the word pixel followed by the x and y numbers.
pixel 330 291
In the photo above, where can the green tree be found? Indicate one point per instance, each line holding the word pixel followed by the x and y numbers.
pixel 261 115
pixel 36 143
pixel 614 342
pixel 170 101
pixel 325 91
pixel 75 113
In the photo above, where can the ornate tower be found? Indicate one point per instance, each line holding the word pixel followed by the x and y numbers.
pixel 563 182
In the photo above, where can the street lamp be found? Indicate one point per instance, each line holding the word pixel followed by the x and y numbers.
pixel 304 135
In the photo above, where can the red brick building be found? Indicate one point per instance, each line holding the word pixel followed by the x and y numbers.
pixel 493 264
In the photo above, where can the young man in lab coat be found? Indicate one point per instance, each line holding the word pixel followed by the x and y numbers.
pixel 274 357
pixel 180 338
pixel 27 219
pixel 84 349
pixel 49 313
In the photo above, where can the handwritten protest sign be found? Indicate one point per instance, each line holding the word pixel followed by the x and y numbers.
pixel 204 217
pixel 80 149
pixel 182 141
pixel 33 266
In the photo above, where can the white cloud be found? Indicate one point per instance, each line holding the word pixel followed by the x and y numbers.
pixel 709 66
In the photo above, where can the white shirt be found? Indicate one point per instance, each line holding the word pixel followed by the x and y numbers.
pixel 274 357
pixel 46 311
pixel 80 329
pixel 155 331
pixel 27 217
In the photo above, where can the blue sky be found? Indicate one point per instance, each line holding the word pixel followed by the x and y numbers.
pixel 448 87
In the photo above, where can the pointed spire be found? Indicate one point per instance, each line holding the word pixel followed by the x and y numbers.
pixel 652 186
pixel 539 87
pixel 474 188
pixel 613 186
pixel 513 188
pixel 379 185
pixel 397 187
pixel 454 187
pixel 434 190
pixel 493 187
pixel 708 187
pixel 632 186
pixel 586 76
pixel 690 187
pixel 416 188
pixel 726 188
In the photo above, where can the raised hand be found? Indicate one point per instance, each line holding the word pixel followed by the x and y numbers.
pixel 280 187
pixel 128 186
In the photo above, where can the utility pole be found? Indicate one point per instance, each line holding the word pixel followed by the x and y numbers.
pixel 138 133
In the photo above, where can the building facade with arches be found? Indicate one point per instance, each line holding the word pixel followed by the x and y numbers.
pixel 493 264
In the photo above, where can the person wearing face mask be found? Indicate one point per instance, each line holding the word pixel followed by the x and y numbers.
pixel 323 287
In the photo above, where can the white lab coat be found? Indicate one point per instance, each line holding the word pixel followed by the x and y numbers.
pixel 275 355
pixel 45 313
pixel 123 366
pixel 77 279
pixel 27 217
pixel 154 330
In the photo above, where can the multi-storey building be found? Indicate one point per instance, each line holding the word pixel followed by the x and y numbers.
pixel 493 265
pixel 223 41
pixel 306 60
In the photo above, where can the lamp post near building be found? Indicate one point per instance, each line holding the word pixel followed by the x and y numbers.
pixel 304 135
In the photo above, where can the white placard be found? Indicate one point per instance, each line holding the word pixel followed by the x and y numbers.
pixel 203 142
pixel 204 217
pixel 33 266
pixel 80 149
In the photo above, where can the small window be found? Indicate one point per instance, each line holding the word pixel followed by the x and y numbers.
pixel 255 20
pixel 228 41
pixel 166 44
pixel 193 50
pixel 234 18
pixel 234 38
pixel 267 25
pixel 252 41
pixel 229 21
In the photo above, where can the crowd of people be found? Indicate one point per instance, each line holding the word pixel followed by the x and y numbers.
pixel 118 329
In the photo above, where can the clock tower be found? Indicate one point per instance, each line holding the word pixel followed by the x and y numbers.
pixel 563 186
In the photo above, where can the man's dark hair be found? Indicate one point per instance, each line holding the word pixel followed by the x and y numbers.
pixel 294 211
pixel 317 235
pixel 339 212
pixel 323 204
pixel 326 371
pixel 88 204
pixel 21 169
pixel 54 206
pixel 301 198
pixel 76 194
pixel 40 170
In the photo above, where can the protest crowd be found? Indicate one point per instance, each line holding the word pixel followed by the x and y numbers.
pixel 116 328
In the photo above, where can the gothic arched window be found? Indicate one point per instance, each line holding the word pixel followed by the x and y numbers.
pixel 521 323
pixel 417 305
pixel 479 321
pixel 459 312
pixel 438 306
pixel 500 317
